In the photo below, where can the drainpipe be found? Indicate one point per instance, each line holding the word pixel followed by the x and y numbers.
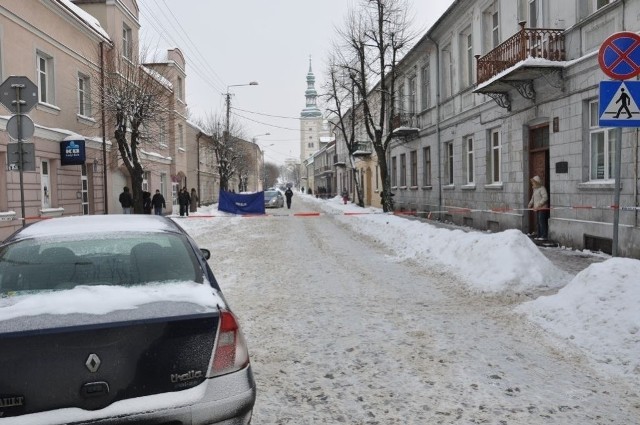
pixel 438 124
pixel 104 131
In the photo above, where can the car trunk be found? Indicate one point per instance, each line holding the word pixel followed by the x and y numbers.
pixel 91 361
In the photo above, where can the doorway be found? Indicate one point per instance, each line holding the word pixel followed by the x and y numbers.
pixel 538 164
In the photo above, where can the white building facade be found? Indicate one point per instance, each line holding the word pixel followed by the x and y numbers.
pixel 499 91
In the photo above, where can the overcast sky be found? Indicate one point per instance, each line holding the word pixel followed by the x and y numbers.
pixel 234 42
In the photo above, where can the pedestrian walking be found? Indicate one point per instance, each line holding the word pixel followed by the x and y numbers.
pixel 193 200
pixel 158 203
pixel 146 202
pixel 288 194
pixel 183 200
pixel 345 196
pixel 126 200
pixel 540 204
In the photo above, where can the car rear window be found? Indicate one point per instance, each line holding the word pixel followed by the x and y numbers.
pixel 63 263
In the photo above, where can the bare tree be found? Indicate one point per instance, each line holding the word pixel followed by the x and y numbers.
pixel 228 152
pixel 372 41
pixel 342 108
pixel 136 102
pixel 271 174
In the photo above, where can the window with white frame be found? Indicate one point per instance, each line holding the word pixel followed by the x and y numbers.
pixel 413 164
pixel 491 26
pixel 530 11
pixel 447 72
pixel 394 171
pixel 163 184
pixel 162 135
pixel 413 94
pixel 426 166
pixel 448 162
pixel 400 101
pixel 466 58
pixel 403 169
pixel 495 155
pixel 603 147
pixel 425 81
pixel 470 165
pixel 127 42
pixel 146 178
pixel 45 78
pixel 180 89
pixel 84 95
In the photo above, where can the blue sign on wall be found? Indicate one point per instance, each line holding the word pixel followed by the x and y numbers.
pixel 72 152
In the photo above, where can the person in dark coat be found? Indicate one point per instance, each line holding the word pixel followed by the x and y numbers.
pixel 193 201
pixel 146 202
pixel 184 199
pixel 288 194
pixel 126 200
pixel 158 203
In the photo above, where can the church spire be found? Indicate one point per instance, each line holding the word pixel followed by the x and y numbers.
pixel 311 110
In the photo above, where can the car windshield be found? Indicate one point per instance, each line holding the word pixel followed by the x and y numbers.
pixel 129 259
pixel 270 195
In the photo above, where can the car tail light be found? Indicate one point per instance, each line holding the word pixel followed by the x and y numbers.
pixel 231 352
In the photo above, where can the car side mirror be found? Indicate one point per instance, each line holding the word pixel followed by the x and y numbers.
pixel 205 253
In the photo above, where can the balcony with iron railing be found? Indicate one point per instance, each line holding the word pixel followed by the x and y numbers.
pixel 405 124
pixel 363 148
pixel 545 43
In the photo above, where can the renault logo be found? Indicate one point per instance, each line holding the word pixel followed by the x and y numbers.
pixel 93 362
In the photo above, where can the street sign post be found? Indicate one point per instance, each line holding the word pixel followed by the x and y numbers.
pixel 19 95
pixel 619 58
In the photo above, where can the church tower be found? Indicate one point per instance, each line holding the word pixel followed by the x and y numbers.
pixel 310 120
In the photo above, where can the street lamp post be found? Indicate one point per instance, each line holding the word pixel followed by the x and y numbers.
pixel 228 102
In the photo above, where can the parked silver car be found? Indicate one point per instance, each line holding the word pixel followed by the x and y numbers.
pixel 116 319
pixel 273 199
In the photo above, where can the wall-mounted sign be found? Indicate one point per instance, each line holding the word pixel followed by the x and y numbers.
pixel 72 152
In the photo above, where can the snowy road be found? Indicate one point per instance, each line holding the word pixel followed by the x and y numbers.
pixel 341 331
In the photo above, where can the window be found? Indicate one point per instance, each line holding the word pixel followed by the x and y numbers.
pixel 413 89
pixel 163 183
pixel 84 96
pixel 603 147
pixel 403 169
pixel 180 137
pixel 394 171
pixel 413 158
pixel 127 42
pixel 45 78
pixel 180 89
pixel 470 164
pixel 400 101
pixel 601 3
pixel 426 164
pixel 466 59
pixel 530 12
pixel 447 72
pixel 310 145
pixel 377 177
pixel 448 165
pixel 494 157
pixel 162 139
pixel 495 30
pixel 146 177
pixel 426 80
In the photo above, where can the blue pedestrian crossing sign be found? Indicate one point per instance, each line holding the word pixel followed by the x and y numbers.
pixel 618 104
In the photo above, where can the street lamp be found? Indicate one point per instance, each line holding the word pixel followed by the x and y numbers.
pixel 254 139
pixel 228 101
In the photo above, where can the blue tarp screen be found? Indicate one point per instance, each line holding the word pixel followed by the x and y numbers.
pixel 241 203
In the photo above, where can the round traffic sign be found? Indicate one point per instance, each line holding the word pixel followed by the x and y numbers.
pixel 26 126
pixel 619 55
